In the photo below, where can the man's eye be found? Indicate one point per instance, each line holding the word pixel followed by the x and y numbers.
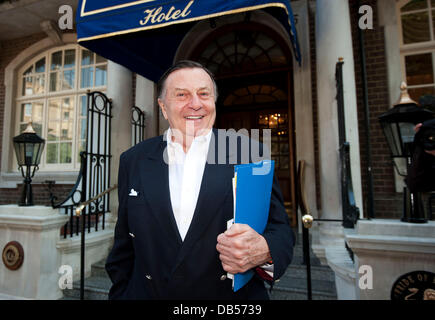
pixel 181 94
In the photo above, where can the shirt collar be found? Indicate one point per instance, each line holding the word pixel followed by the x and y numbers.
pixel 203 139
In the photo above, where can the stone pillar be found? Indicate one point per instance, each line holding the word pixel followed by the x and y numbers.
pixel 334 40
pixel 146 101
pixel 37 229
pixel 119 89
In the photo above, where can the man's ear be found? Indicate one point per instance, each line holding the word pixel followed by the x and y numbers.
pixel 162 107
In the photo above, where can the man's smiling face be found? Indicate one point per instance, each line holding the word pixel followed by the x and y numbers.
pixel 188 101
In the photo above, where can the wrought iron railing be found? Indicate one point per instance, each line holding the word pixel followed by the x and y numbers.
pixel 350 210
pixel 94 174
pixel 138 125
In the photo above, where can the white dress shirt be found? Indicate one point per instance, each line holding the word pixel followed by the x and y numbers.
pixel 185 177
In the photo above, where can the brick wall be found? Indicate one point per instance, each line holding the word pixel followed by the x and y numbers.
pixel 8 51
pixel 387 203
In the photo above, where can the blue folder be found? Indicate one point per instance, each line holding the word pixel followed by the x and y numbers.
pixel 253 190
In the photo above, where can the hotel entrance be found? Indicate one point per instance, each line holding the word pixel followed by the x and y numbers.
pixel 253 70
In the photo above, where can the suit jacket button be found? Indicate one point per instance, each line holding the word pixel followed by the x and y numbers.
pixel 148 277
pixel 223 277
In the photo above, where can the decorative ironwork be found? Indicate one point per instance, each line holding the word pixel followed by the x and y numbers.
pixel 94 174
pixel 138 125
pixel 350 210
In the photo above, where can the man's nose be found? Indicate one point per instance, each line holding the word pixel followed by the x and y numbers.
pixel 195 102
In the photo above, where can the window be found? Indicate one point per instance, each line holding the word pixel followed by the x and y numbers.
pixel 417 50
pixel 240 50
pixel 52 94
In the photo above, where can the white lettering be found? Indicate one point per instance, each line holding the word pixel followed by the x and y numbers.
pixel 66 280
pixel 365 21
pixel 66 20
pixel 366 279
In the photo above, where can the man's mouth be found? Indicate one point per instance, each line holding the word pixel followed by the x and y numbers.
pixel 193 117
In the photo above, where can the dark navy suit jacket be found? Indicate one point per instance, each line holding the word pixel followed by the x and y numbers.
pixel 150 261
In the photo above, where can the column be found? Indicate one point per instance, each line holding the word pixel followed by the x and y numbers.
pixel 334 40
pixel 119 89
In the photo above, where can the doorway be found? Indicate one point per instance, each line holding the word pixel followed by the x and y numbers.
pixel 253 70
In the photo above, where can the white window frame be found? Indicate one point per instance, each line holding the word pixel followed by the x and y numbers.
pixel 74 93
pixel 415 48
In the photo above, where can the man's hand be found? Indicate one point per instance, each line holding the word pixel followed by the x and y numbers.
pixel 241 248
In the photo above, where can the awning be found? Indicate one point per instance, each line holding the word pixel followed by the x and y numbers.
pixel 144 35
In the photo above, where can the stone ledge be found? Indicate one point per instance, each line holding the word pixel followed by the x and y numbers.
pixel 391 243
pixel 34 218
pixel 389 227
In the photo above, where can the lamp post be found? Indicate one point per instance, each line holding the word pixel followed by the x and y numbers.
pixel 28 149
pixel 398 126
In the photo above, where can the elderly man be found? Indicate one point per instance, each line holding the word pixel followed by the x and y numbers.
pixel 171 237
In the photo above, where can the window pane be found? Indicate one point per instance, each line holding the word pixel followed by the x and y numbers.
pixel 26 112
pixel 27 85
pixel 87 77
pixel 66 130
pixel 54 110
pixel 68 80
pixel 415 27
pixel 53 131
pixel 414 5
pixel 52 153
pixel 29 70
pixel 82 128
pixel 40 65
pixel 100 75
pixel 37 108
pixel 65 152
pixel 419 69
pixel 70 58
pixel 87 57
pixel 83 109
pixel 56 60
pixel 39 84
pixel 53 81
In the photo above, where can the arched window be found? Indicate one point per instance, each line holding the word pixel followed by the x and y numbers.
pixel 255 94
pixel 417 46
pixel 52 94
pixel 241 48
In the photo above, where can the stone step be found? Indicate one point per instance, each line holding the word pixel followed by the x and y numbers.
pixel 292 285
pixel 98 269
pixel 96 288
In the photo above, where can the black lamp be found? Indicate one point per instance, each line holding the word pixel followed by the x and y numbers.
pixel 28 149
pixel 398 125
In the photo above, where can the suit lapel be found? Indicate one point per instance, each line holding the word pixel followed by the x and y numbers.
pixel 155 181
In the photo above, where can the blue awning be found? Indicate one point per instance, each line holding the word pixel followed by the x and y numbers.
pixel 144 35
